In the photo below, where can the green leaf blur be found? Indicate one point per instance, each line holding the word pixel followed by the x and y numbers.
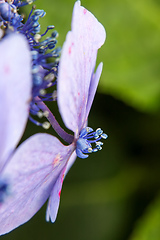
pixel 148 226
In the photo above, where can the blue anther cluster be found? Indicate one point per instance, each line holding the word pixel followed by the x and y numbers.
pixel 44 73
pixel 19 3
pixel 87 137
pixel 9 16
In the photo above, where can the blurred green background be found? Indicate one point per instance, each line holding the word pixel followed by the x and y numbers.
pixel 115 193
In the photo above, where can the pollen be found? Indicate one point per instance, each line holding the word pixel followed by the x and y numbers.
pixel 40 114
pixel 42 92
pixel 37 37
pixel 45 113
pixel 46 125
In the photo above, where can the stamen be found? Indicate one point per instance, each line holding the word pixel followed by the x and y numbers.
pixel 54 95
pixel 60 131
pixel 24 3
pixel 37 37
pixel 46 125
pixel 44 74
pixel 34 121
pixel 86 137
pixel 104 136
pixel 48 28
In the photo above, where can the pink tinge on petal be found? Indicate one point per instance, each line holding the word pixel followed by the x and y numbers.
pixel 59 193
pixel 85 11
pixel 33 173
pixel 15 86
pixel 77 65
pixel 54 200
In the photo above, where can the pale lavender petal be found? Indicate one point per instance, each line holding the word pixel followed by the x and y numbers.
pixel 32 173
pixel 93 87
pixel 53 203
pixel 54 200
pixel 15 90
pixel 77 65
pixel 71 162
pixel 2 123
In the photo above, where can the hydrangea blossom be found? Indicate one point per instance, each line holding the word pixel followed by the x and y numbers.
pixel 15 93
pixel 38 166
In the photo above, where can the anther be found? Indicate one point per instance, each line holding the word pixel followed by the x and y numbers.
pixel 37 37
pixel 40 114
pixel 49 77
pixel 40 13
pixel 99 131
pixel 51 27
pixel 30 1
pixel 99 143
pixel 95 150
pixel 54 34
pixel 104 136
pixel 42 92
pixel 54 95
pixel 46 114
pixel 10 1
pixel 46 125
pixel 90 150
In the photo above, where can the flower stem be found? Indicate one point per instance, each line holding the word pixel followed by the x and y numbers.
pixel 51 118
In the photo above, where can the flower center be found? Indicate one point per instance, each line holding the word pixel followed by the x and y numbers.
pixel 87 137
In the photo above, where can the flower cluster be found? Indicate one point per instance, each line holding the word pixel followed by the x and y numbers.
pixel 44 74
pixel 34 172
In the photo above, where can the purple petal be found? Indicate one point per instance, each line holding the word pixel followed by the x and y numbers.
pixel 53 203
pixel 15 91
pixel 54 200
pixel 32 173
pixel 77 65
pixel 93 87
pixel 71 162
pixel 2 123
